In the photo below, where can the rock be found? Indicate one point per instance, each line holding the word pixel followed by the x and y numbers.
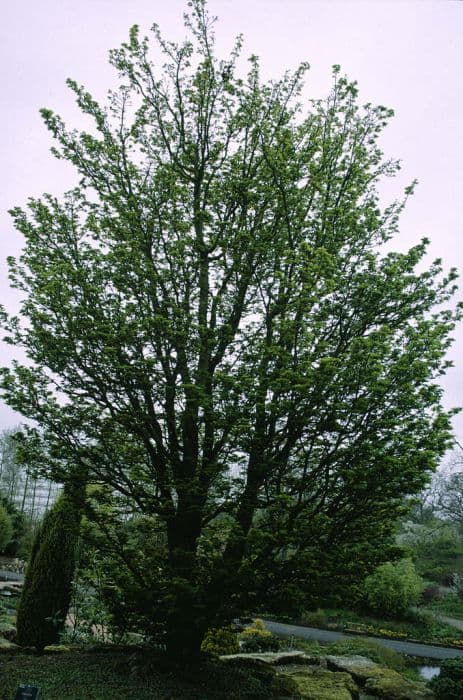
pixel 6 646
pixel 296 674
pixel 273 658
pixel 312 683
pixel 58 649
pixel 359 667
pixel 7 630
pixel 299 658
pixel 344 663
pixel 261 668
pixel 390 685
pixel 378 681
pixel 284 686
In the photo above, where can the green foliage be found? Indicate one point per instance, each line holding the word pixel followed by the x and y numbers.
pixel 46 593
pixel 119 560
pixel 239 360
pixel 256 638
pixel 6 528
pixel 23 529
pixel 393 588
pixel 221 641
pixel 437 550
pixel 80 676
pixel 449 684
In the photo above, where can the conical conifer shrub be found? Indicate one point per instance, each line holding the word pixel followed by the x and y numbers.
pixel 46 594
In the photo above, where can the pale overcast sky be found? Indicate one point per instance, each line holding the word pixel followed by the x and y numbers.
pixel 405 55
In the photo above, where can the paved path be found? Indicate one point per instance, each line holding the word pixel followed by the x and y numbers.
pixel 452 621
pixel 425 650
pixel 6 575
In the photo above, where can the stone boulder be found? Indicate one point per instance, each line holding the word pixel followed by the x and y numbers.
pixel 6 646
pixel 8 631
pixel 296 674
pixel 378 681
pixel 312 683
pixel 354 664
pixel 390 685
pixel 274 658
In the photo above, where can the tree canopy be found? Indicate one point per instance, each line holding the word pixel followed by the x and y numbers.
pixel 215 331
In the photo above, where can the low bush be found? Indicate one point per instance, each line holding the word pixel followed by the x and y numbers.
pixel 393 587
pixel 431 593
pixel 314 618
pixel 221 641
pixel 257 639
pixel 449 684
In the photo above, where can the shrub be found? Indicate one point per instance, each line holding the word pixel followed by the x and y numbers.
pixel 6 528
pixel 221 641
pixel 393 587
pixel 314 618
pixel 256 638
pixel 449 685
pixel 431 593
pixel 45 597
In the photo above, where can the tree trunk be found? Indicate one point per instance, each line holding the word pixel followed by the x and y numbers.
pixel 184 635
pixel 187 616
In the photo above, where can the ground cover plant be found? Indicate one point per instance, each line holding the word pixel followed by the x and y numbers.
pixel 80 676
pixel 219 341
pixel 114 672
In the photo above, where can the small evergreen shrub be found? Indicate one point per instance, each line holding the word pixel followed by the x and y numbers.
pixel 431 593
pixel 46 593
pixel 314 618
pixel 257 639
pixel 221 641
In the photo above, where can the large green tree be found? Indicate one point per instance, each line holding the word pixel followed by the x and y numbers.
pixel 215 333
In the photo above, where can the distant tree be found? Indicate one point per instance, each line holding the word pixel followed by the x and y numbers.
pixel 436 549
pixel 11 472
pixel 213 328
pixel 6 528
pixel 450 498
pixel 20 526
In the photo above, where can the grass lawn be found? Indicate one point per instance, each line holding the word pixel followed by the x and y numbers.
pixel 85 676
